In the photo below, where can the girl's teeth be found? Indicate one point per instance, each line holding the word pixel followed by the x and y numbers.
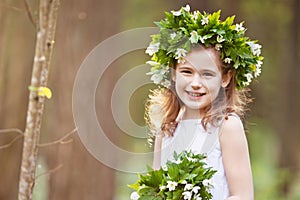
pixel 195 94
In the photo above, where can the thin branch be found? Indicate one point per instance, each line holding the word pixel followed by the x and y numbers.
pixel 49 171
pixel 11 143
pixel 8 130
pixel 11 7
pixel 59 141
pixel 29 13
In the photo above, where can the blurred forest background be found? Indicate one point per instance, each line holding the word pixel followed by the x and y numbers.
pixel 68 170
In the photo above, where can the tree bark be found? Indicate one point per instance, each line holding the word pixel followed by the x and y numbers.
pixel 44 46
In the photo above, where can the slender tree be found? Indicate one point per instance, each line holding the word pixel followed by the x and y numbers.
pixel 289 136
pixel 38 90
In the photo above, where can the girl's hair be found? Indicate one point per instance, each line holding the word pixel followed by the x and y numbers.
pixel 163 105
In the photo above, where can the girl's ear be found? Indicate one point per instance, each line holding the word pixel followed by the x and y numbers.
pixel 226 78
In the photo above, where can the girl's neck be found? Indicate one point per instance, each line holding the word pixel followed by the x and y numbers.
pixel 192 114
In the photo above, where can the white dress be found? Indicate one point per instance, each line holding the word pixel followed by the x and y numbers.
pixel 190 135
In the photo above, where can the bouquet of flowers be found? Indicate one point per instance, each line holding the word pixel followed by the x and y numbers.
pixel 186 177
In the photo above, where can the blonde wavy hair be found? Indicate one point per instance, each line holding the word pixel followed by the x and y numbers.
pixel 163 105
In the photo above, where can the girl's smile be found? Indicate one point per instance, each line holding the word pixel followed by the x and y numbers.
pixel 195 95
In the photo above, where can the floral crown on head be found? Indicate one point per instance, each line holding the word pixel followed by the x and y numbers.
pixel 182 29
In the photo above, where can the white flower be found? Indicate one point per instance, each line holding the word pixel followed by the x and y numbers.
pixel 180 53
pixel 187 195
pixel 184 182
pixel 258 69
pixel 176 13
pixel 165 168
pixel 164 70
pixel 207 183
pixel 198 198
pixel 246 83
pixel 157 75
pixel 218 47
pixel 220 39
pixel 188 186
pixel 181 60
pixel 257 72
pixel 166 83
pixel 249 77
pixel 152 63
pixel 152 48
pixel 162 187
pixel 255 48
pixel 173 35
pixel 171 185
pixel 239 27
pixel 177 162
pixel 259 63
pixel 204 20
pixel 194 37
pixel 187 8
pixel 134 196
pixel 202 39
pixel 227 60
pixel 191 159
pixel 196 189
pixel 195 15
pixel 156 78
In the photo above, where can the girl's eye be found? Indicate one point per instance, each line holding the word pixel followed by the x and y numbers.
pixel 186 71
pixel 207 74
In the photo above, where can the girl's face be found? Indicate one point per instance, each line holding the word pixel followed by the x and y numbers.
pixel 198 80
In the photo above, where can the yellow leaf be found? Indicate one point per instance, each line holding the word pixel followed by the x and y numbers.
pixel 44 92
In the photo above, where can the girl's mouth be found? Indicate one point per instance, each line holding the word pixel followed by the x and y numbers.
pixel 196 94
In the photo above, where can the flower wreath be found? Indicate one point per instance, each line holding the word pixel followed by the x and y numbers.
pixel 181 30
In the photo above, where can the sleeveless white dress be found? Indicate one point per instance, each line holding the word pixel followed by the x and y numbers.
pixel 190 135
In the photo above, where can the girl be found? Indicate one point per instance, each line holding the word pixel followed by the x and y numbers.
pixel 201 66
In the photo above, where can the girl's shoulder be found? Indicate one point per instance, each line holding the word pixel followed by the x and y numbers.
pixel 232 131
pixel 232 119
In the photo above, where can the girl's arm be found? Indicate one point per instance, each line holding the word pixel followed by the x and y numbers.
pixel 157 151
pixel 236 159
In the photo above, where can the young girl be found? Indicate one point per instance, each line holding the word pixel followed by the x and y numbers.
pixel 201 65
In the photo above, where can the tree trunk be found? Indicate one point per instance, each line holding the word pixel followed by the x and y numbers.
pixel 43 51
pixel 81 26
pixel 289 135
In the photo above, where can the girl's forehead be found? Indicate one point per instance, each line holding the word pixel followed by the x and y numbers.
pixel 201 59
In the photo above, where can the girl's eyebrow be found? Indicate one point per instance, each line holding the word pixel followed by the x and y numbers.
pixel 196 69
pixel 208 70
pixel 186 67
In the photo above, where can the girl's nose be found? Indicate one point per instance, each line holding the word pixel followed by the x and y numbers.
pixel 196 82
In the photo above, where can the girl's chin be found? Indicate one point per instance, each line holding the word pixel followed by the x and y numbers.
pixel 194 106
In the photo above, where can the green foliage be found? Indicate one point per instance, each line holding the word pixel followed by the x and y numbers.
pixel 268 177
pixel 186 175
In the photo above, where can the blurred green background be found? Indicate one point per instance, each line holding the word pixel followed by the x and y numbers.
pixel 69 171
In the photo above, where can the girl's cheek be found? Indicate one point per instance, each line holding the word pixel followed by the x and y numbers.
pixel 180 78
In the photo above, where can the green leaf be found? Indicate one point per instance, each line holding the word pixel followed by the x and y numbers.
pixel 173 172
pixel 189 176
pixel 177 195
